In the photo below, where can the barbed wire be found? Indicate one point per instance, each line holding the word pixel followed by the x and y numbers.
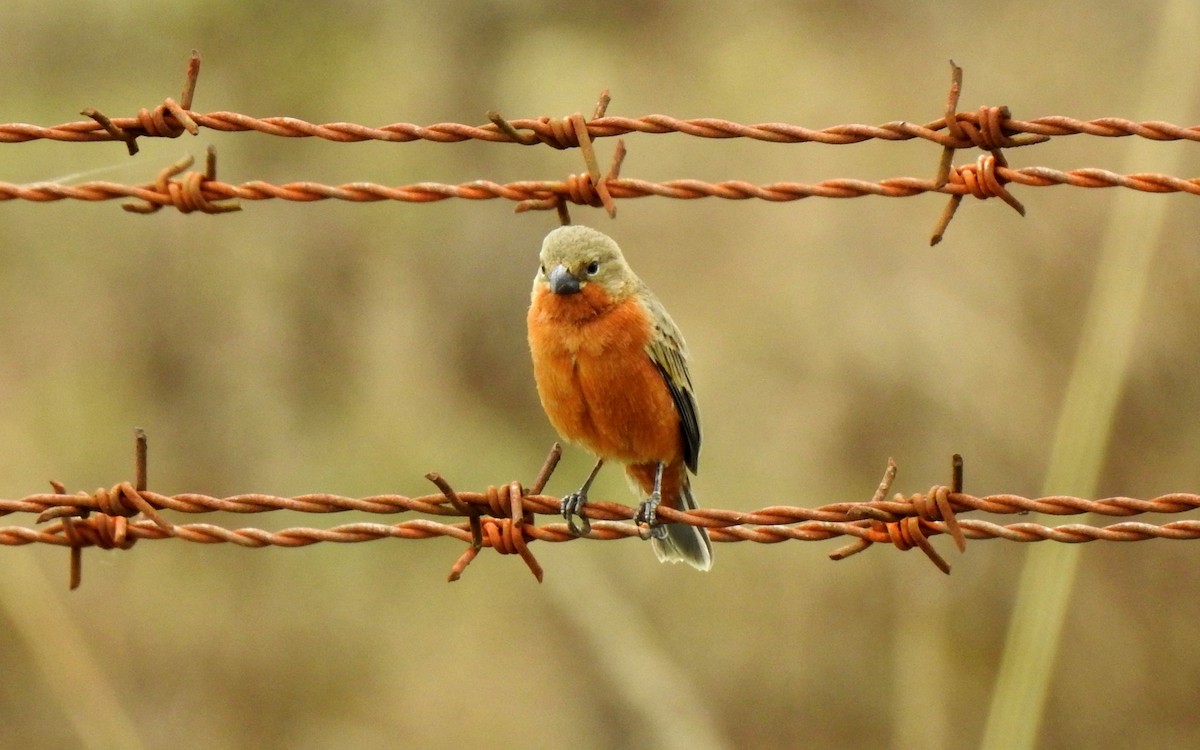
pixel 685 189
pixel 171 119
pixel 503 518
pixel 543 129
pixel 989 128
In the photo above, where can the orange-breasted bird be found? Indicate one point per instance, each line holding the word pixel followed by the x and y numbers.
pixel 611 371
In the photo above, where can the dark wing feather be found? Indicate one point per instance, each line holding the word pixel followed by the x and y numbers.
pixel 669 354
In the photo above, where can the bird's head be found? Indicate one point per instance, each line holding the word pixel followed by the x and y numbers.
pixel 575 258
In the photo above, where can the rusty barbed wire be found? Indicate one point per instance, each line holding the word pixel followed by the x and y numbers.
pixel 610 126
pixel 504 518
pixel 437 504
pixel 575 192
pixel 990 128
pixel 170 119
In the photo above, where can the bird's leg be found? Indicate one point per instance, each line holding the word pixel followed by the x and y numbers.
pixel 648 511
pixel 572 503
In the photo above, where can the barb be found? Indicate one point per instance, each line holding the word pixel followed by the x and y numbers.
pixel 558 132
pixel 909 531
pixel 168 120
pixel 186 194
pixel 590 188
pixel 587 189
pixel 983 179
pixel 110 528
pixel 505 535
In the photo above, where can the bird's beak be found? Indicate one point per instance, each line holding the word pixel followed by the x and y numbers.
pixel 562 281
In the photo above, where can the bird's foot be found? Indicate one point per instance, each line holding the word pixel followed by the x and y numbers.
pixel 647 515
pixel 572 505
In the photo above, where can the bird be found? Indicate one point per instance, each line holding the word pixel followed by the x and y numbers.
pixel 611 369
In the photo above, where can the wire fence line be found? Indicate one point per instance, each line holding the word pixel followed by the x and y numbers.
pixel 504 518
pixel 211 190
pixel 544 129
pixel 990 128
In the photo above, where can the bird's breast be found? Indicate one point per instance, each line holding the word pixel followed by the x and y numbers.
pixel 597 384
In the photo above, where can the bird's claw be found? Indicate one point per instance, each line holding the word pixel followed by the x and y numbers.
pixel 572 505
pixel 647 515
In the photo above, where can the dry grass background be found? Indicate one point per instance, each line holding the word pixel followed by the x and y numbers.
pixel 350 349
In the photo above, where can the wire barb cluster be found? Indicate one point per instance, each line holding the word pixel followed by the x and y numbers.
pixel 504 518
pixel 990 129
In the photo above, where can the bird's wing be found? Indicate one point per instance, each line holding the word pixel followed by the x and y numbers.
pixel 669 353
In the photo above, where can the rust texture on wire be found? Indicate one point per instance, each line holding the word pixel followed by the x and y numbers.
pixel 539 190
pixel 504 518
pixel 171 119
pixel 990 129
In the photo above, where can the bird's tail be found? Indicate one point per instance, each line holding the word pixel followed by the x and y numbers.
pixel 683 542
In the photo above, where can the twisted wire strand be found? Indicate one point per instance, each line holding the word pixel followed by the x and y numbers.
pixel 619 188
pixel 988 128
pixel 808 531
pixel 604 127
pixel 439 505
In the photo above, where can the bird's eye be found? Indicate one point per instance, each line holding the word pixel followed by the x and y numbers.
pixel 593 268
pixel 543 270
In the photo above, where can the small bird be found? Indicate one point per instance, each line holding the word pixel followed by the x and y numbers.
pixel 611 372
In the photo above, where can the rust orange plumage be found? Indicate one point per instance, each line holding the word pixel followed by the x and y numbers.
pixel 611 371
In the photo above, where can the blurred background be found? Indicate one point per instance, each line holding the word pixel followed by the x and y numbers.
pixel 350 348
